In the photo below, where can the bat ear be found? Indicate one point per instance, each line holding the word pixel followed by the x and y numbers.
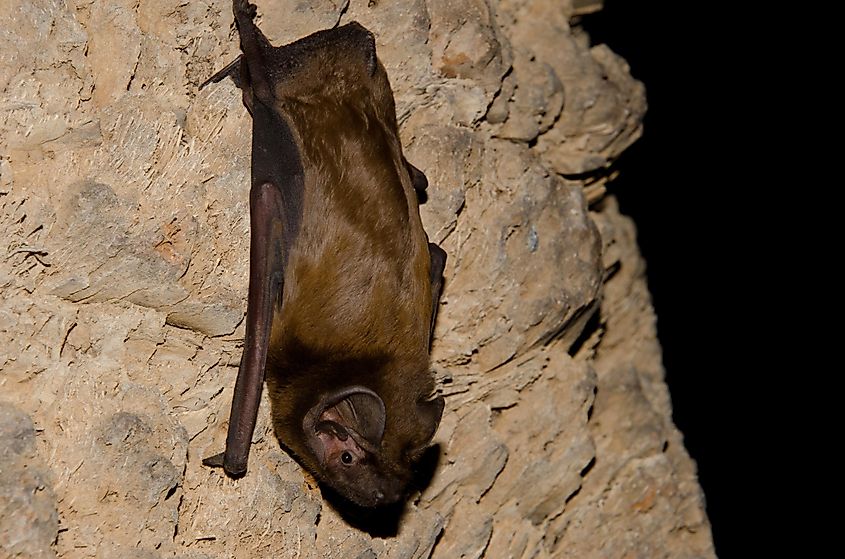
pixel 362 411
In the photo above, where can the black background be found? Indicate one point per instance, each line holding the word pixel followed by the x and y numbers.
pixel 674 184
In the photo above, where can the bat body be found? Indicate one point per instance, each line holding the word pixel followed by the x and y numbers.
pixel 343 284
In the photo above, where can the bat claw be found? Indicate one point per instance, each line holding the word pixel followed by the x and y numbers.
pixel 215 461
pixel 232 70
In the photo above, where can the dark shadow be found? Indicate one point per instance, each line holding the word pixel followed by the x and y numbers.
pixel 379 522
pixel 422 196
pixel 591 327
pixel 426 468
pixel 586 469
pixel 667 184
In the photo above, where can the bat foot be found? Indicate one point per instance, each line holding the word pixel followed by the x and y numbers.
pixel 245 7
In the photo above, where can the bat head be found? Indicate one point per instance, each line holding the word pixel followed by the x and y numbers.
pixel 345 433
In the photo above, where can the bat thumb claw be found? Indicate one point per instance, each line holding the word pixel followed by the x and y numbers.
pixel 215 461
pixel 232 70
pixel 219 461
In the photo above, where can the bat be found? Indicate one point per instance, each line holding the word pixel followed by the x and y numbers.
pixel 343 283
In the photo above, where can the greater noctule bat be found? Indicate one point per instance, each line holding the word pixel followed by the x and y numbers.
pixel 343 283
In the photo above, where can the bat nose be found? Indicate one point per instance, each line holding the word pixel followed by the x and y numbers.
pixel 387 495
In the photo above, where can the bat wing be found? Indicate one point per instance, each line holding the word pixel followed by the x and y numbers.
pixel 275 208
pixel 275 212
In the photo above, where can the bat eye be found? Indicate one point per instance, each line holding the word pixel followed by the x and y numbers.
pixel 346 457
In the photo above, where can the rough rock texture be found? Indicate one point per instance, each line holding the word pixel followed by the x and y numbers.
pixel 124 230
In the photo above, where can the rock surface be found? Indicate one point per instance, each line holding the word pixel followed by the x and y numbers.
pixel 124 223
